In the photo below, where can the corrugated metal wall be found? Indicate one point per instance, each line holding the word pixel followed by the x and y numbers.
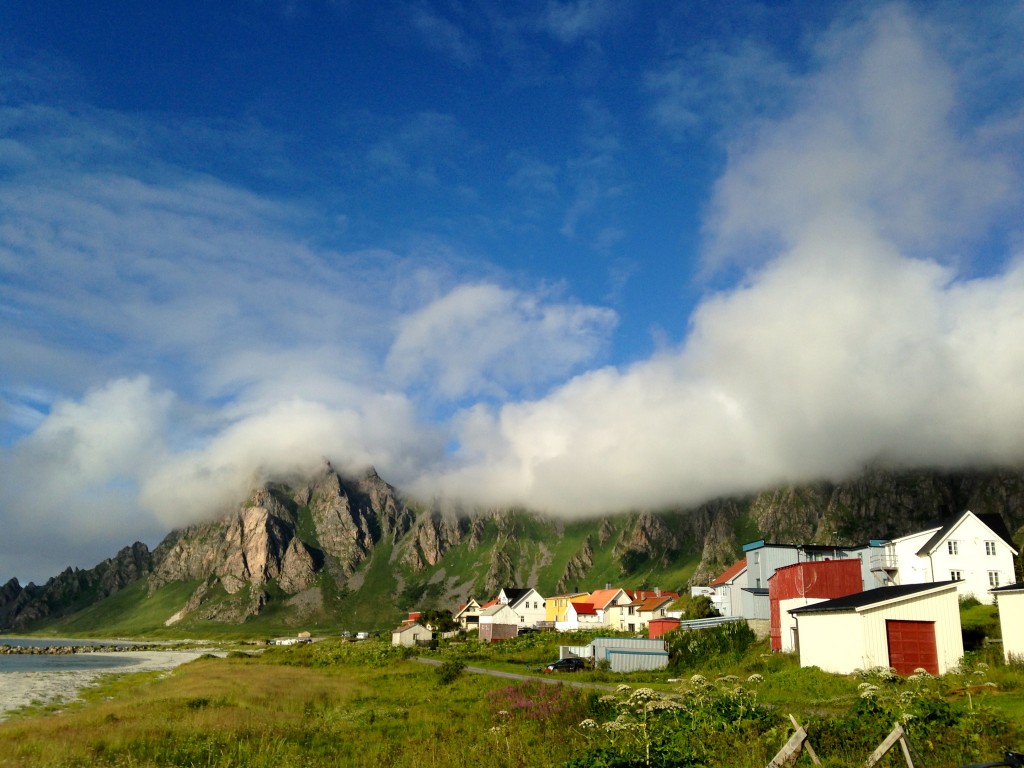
pixel 821 578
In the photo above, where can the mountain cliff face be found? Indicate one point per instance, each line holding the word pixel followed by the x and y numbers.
pixel 334 549
pixel 72 590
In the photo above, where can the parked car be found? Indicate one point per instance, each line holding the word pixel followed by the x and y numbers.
pixel 566 665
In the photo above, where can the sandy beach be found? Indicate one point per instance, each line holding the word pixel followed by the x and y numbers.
pixel 19 689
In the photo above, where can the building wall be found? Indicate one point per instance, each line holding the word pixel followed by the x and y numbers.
pixel 942 608
pixel 819 578
pixel 787 628
pixel 1011 620
pixel 658 627
pixel 490 633
pixel 833 642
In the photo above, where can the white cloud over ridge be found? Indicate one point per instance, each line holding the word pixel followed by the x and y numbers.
pixel 208 345
pixel 852 342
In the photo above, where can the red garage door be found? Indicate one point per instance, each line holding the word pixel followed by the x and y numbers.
pixel 912 645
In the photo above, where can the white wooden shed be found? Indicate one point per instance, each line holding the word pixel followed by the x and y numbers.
pixel 1010 600
pixel 905 627
pixel 409 634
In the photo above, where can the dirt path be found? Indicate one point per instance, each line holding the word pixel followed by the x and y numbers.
pixel 549 679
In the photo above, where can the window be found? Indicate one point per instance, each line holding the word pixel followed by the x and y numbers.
pixel 990 548
pixel 953 547
pixel 993 578
pixel 956 575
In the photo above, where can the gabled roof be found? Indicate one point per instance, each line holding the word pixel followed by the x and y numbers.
pixel 993 522
pixel 406 626
pixel 496 609
pixel 649 604
pixel 642 594
pixel 515 594
pixel 1018 587
pixel 730 573
pixel 871 597
pixel 492 602
pixel 471 607
pixel 602 597
pixel 584 609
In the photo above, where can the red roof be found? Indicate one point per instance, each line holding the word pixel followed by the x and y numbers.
pixel 489 603
pixel 585 608
pixel 730 573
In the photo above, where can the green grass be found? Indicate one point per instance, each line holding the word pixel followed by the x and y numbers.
pixel 127 613
pixel 368 704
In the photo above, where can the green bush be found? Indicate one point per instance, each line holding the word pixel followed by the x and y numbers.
pixel 448 672
pixel 694 649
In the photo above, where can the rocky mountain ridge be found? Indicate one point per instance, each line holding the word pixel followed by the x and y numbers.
pixel 325 547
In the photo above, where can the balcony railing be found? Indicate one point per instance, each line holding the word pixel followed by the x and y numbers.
pixel 883 561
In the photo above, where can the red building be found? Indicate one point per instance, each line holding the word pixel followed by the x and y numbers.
pixel 807 583
pixel 658 627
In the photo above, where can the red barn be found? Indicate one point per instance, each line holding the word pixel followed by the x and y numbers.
pixel 802 584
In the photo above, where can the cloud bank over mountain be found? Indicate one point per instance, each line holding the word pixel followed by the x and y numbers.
pixel 169 336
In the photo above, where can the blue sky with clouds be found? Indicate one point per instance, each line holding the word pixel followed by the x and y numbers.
pixel 584 256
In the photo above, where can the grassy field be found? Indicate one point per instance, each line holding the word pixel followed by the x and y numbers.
pixel 334 703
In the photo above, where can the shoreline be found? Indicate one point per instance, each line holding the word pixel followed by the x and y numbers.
pixel 22 689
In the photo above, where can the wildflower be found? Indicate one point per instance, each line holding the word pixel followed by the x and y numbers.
pixel 622 688
pixel 755 678
pixel 589 724
pixel 698 680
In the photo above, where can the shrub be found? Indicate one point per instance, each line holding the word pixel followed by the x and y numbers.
pixel 698 648
pixel 448 672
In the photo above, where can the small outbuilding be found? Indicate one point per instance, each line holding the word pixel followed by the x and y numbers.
pixel 658 627
pixel 410 633
pixel 1010 600
pixel 906 627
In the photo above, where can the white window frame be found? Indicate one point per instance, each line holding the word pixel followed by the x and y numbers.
pixel 956 575
pixel 993 579
pixel 990 548
pixel 953 547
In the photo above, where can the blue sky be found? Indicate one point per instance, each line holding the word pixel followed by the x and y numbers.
pixel 584 256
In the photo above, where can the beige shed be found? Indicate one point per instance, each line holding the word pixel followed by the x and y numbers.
pixel 906 627
pixel 1010 600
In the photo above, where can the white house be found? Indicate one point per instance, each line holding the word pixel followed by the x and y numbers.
pixel 976 551
pixel 905 627
pixel 1010 600
pixel 409 634
pixel 528 605
pixel 726 595
pixel 468 615
pixel 611 604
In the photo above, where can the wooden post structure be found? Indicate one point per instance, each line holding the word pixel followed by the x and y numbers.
pixel 897 735
pixel 791 751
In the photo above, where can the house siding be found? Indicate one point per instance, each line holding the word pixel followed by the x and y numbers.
pixel 833 643
pixel 1011 621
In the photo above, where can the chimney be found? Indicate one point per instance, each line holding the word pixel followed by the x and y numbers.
pixel 607 585
pixel 657 591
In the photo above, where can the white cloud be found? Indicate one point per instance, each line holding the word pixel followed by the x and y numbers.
pixel 73 481
pixel 484 339
pixel 873 140
pixel 855 340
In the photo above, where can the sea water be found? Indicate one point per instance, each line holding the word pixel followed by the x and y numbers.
pixel 46 662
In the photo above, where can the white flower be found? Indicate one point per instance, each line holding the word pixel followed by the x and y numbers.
pixel 755 678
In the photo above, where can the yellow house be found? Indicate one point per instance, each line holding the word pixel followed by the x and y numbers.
pixel 557 607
